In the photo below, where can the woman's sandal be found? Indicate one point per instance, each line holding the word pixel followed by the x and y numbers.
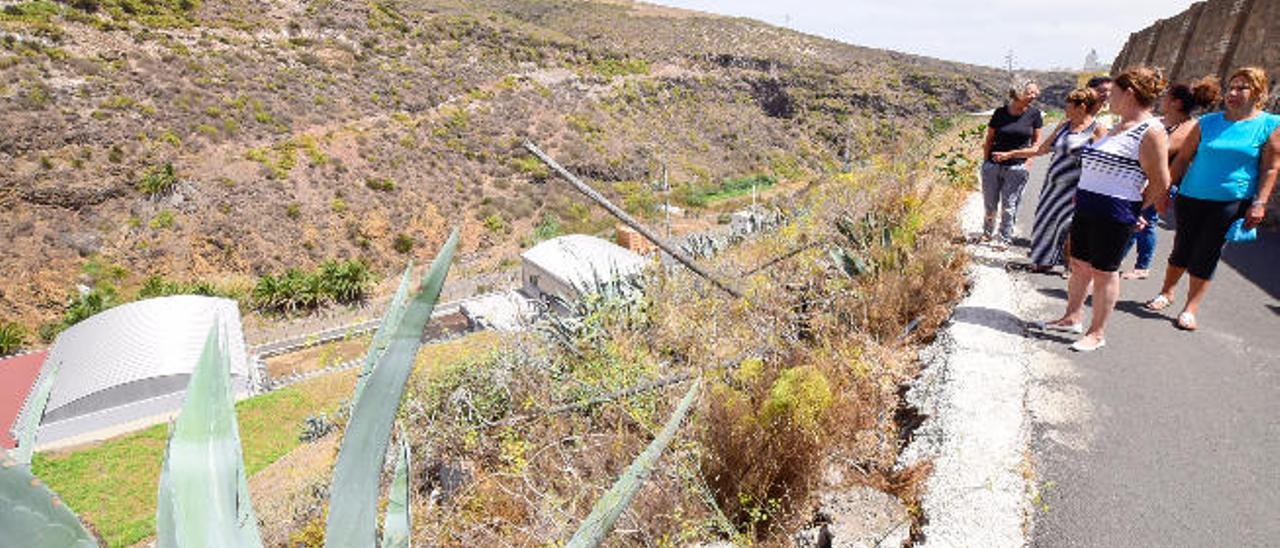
pixel 1136 274
pixel 1186 321
pixel 1087 345
pixel 1160 302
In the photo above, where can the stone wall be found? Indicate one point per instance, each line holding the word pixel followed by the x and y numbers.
pixel 1211 37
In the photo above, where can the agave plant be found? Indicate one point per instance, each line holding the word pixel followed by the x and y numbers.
pixel 203 497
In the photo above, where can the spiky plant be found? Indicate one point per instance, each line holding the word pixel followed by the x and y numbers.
pixel 203 496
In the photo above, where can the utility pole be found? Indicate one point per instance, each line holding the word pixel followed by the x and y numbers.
pixel 666 197
pixel 1008 63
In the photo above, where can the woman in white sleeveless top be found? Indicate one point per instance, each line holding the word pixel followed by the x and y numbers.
pixel 1121 173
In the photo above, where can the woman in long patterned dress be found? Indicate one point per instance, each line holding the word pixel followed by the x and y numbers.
pixel 1055 209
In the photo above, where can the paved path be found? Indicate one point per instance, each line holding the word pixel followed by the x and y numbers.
pixel 1172 438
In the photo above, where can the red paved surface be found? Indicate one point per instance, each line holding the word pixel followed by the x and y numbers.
pixel 16 376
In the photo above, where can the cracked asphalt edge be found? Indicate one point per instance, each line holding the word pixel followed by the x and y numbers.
pixel 976 391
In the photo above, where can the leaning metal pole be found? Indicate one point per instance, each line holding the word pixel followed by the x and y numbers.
pixel 629 221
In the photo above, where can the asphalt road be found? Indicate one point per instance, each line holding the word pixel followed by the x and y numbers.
pixel 1183 429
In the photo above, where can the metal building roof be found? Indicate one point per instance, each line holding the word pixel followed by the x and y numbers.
pixel 134 361
pixel 578 259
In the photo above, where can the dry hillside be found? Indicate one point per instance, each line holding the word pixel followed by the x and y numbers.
pixel 226 139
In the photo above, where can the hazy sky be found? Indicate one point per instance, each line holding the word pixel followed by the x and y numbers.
pixel 1042 34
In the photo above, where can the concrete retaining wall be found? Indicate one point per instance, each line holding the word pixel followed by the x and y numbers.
pixel 1211 37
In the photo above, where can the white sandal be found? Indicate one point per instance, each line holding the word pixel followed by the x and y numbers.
pixel 1081 346
pixel 1160 302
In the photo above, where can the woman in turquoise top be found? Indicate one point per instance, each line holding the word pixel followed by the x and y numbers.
pixel 1234 157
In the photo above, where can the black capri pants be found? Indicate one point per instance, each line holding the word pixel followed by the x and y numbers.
pixel 1099 240
pixel 1202 230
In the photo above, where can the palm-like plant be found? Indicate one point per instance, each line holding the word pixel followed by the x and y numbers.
pixel 12 337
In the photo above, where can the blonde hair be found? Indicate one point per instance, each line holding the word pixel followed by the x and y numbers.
pixel 1146 83
pixel 1257 81
pixel 1019 87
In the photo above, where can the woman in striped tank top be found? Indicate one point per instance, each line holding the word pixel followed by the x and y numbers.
pixel 1121 173
pixel 1057 197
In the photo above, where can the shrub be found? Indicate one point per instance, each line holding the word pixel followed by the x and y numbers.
pixel 547 228
pixel 383 184
pixel 497 224
pixel 12 337
pixel 84 306
pixel 610 68
pixel 403 243
pixel 341 282
pixel 159 180
pixel 531 166
pixel 164 219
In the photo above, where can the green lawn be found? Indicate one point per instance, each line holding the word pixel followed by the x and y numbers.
pixel 112 485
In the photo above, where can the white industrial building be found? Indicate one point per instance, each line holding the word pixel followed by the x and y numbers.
pixel 131 364
pixel 567 266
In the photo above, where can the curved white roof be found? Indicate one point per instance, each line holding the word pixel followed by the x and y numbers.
pixel 578 259
pixel 137 352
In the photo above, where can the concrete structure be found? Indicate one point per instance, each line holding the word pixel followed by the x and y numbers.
pixel 566 266
pixel 1211 37
pixel 506 311
pixel 131 365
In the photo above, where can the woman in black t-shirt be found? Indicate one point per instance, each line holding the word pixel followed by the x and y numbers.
pixel 1013 126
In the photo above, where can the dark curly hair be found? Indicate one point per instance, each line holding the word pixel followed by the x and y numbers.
pixel 1197 95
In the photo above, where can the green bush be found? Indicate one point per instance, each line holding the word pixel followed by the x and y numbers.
pixel 403 243
pixel 610 68
pixel 12 337
pixel 531 166
pixel 164 219
pixel 548 228
pixel 158 286
pixel 158 180
pixel 383 184
pixel 297 291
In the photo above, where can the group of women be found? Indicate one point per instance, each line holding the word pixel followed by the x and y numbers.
pixel 1108 182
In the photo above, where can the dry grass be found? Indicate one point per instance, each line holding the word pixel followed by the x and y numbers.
pixel 804 374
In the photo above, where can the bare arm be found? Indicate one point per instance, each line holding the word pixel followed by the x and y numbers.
pixel 1035 138
pixel 1185 153
pixel 1043 148
pixel 986 144
pixel 1268 168
pixel 1153 154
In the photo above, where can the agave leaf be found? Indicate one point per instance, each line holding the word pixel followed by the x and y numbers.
pixel 203 499
pixel 29 511
pixel 39 399
pixel 609 508
pixel 395 312
pixel 353 495
pixel 396 525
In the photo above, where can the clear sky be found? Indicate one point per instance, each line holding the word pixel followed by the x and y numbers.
pixel 1042 34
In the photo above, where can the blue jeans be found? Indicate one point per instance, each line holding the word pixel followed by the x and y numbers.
pixel 1145 239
